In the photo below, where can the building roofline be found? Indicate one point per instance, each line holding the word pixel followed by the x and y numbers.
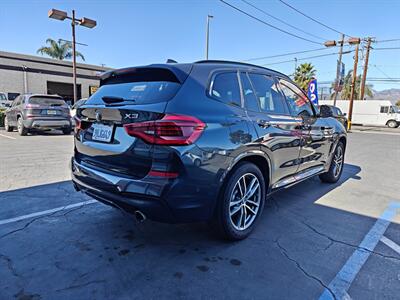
pixel 45 60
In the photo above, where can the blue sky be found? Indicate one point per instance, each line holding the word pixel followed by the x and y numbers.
pixel 142 32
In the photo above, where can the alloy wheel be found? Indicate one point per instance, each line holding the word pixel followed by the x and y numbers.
pixel 245 201
pixel 338 161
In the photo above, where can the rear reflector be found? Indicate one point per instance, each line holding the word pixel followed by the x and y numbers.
pixel 163 174
pixel 170 130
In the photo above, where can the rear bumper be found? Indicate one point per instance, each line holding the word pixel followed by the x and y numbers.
pixel 42 123
pixel 163 200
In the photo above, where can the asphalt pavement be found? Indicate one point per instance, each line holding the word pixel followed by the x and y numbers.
pixel 315 240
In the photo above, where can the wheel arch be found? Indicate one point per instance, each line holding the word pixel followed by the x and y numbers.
pixel 256 157
pixel 343 139
pixel 391 120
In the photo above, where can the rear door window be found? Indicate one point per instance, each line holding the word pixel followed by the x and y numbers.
pixel 225 88
pixel 47 101
pixel 269 98
pixel 250 100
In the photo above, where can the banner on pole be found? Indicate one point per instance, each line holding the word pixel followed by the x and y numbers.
pixel 313 91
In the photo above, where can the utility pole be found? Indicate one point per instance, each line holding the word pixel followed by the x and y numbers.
pixel 74 57
pixel 364 76
pixel 339 65
pixel 208 33
pixel 353 82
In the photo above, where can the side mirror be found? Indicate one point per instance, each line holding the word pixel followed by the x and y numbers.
pixel 325 111
pixel 344 114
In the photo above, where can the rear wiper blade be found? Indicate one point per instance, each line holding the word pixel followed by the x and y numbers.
pixel 114 99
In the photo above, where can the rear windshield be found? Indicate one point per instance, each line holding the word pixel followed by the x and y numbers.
pixel 47 101
pixel 143 92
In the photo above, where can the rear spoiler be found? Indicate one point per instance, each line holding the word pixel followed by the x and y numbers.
pixel 157 72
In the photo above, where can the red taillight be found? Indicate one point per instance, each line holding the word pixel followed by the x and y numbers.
pixel 170 130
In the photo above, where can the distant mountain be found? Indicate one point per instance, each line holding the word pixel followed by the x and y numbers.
pixel 390 94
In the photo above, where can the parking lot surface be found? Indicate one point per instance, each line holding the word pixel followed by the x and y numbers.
pixel 314 241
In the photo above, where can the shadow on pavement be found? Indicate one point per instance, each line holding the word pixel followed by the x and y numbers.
pixel 97 252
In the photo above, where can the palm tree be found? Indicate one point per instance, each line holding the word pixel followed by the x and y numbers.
pixel 346 90
pixel 303 74
pixel 59 50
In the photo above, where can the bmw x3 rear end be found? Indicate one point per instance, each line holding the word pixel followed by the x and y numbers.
pixel 176 143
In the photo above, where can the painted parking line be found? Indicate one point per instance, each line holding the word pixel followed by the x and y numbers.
pixel 390 244
pixel 46 212
pixel 8 137
pixel 343 280
pixel 376 132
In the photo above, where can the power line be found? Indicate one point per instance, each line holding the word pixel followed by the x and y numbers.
pixel 286 54
pixel 270 25
pixel 379 69
pixel 305 58
pixel 320 23
pixel 389 48
pixel 284 22
pixel 385 41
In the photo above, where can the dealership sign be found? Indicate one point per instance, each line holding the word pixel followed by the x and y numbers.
pixel 313 91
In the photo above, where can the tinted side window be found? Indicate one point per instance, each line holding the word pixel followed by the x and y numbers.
pixel 226 88
pixel 250 100
pixel 269 98
pixel 298 103
pixel 384 109
pixel 337 112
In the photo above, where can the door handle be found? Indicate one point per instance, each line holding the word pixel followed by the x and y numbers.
pixel 303 126
pixel 264 123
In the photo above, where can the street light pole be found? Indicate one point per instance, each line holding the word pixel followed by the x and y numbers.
pixel 74 57
pixel 208 33
pixel 86 22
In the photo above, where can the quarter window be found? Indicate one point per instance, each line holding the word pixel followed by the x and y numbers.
pixel 268 97
pixel 298 103
pixel 225 88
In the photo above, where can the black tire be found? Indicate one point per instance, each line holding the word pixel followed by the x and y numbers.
pixel 22 130
pixel 392 124
pixel 67 131
pixel 222 221
pixel 333 173
pixel 7 127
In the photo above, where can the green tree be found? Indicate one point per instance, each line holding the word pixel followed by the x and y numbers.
pixel 59 50
pixel 346 91
pixel 303 74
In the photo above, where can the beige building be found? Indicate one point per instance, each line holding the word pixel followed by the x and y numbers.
pixel 21 73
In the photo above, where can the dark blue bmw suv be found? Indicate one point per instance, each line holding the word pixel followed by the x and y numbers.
pixel 205 141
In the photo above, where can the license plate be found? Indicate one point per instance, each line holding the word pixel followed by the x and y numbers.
pixel 102 133
pixel 51 112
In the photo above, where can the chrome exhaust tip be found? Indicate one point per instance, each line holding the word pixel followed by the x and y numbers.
pixel 140 217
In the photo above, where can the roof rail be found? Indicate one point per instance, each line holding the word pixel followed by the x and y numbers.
pixel 236 63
